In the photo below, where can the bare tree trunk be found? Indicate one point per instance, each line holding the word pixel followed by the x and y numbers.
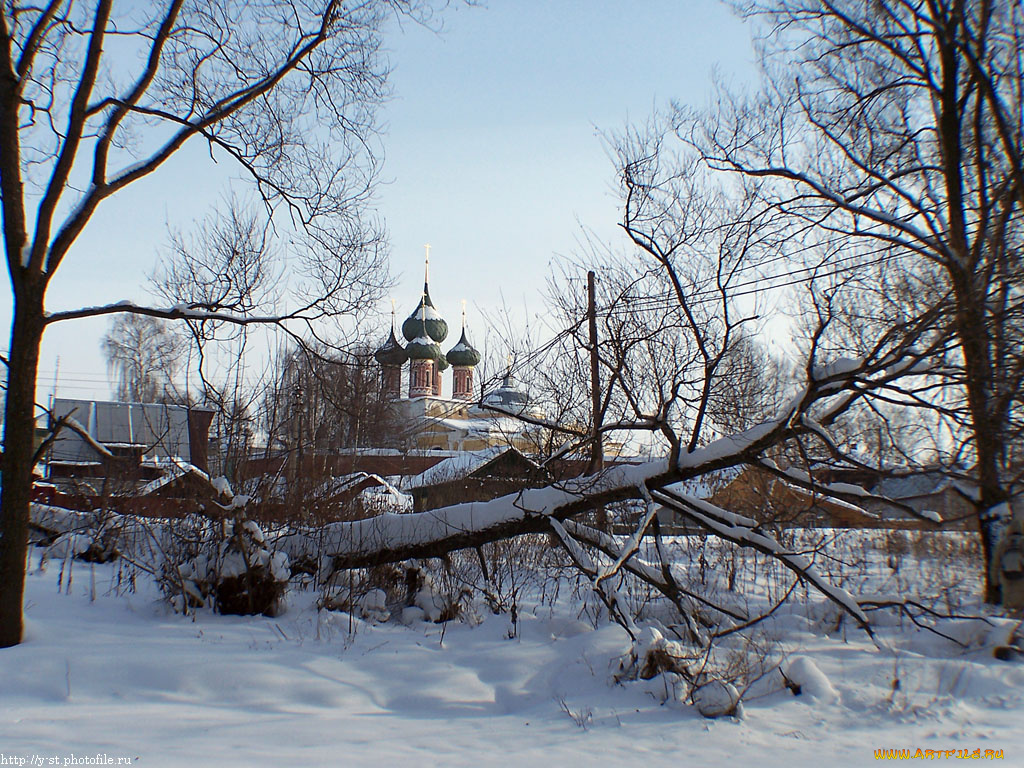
pixel 972 325
pixel 597 444
pixel 989 432
pixel 19 446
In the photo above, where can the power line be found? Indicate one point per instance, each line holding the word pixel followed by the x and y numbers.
pixel 759 285
pixel 889 251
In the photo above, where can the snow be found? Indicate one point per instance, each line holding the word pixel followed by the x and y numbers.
pixel 803 673
pixel 427 312
pixel 222 486
pixel 174 468
pixel 706 486
pixel 254 531
pixel 108 669
pixel 454 467
pixel 717 699
pixel 843 366
pixel 69 545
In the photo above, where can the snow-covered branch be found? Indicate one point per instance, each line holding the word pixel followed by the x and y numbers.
pixel 742 531
pixel 176 312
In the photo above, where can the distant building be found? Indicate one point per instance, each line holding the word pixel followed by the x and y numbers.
pixel 475 476
pixel 932 493
pixel 461 422
pixel 131 441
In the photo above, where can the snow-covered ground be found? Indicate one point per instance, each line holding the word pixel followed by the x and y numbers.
pixel 107 671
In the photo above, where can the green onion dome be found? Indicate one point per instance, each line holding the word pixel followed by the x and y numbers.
pixel 425 318
pixel 423 348
pixel 442 364
pixel 391 352
pixel 463 354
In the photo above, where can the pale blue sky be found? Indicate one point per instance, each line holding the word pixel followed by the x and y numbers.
pixel 493 155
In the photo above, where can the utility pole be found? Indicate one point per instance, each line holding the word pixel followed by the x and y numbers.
pixel 596 444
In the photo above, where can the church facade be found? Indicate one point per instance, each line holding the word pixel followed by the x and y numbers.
pixel 467 420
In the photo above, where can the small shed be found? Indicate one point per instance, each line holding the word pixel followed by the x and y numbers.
pixel 475 476
pixel 930 492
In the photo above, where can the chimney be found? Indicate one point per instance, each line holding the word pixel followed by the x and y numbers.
pixel 199 420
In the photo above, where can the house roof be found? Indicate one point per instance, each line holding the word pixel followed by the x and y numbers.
pixel 175 468
pixel 160 430
pixel 921 484
pixel 463 465
pixel 706 486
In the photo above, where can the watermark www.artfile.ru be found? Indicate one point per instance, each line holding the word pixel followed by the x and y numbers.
pixel 938 754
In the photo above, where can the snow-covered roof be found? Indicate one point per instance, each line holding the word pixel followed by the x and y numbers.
pixel 459 465
pixel 481 426
pixel 387 496
pixel 921 484
pixel 175 468
pixel 706 486
pixel 335 486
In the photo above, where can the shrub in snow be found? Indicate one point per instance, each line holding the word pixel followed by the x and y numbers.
pixel 252 579
pixel 68 545
pixel 95 541
pixel 369 593
pixel 413 593
pixel 413 614
pixel 374 606
pixel 651 655
pixel 804 678
pixel 368 603
pixel 236 570
pixel 436 603
pixel 717 698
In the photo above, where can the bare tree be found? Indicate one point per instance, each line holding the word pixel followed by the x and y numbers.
pixel 676 343
pixel 145 355
pixel 893 132
pixel 285 89
pixel 324 404
pixel 677 360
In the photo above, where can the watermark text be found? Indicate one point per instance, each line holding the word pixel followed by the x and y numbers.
pixel 938 754
pixel 101 758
